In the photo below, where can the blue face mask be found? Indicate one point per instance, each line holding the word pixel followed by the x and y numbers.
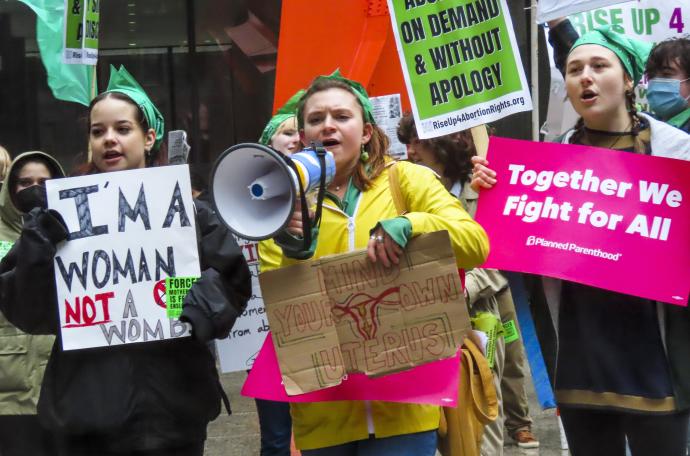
pixel 664 97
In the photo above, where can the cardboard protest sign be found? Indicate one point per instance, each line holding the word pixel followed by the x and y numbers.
pixel 82 19
pixel 646 20
pixel 461 63
pixel 434 383
pixel 343 314
pixel 128 231
pixel 609 219
pixel 553 9
pixel 239 350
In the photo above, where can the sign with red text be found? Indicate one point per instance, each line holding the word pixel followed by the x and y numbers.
pixel 128 231
pixel 609 219
pixel 239 350
pixel 434 383
pixel 344 314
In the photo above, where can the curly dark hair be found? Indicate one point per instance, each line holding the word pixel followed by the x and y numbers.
pixel 455 150
pixel 666 52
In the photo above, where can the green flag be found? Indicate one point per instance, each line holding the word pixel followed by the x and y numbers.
pixel 68 82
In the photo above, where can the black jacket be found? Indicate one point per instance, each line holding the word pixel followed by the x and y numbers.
pixel 146 396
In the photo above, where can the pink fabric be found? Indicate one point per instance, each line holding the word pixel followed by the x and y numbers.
pixel 644 266
pixel 436 383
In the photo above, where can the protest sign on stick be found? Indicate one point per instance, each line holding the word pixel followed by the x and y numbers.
pixel 609 219
pixel 128 231
pixel 82 19
pixel 343 314
pixel 461 63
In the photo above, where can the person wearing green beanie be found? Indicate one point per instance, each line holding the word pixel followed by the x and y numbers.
pixel 621 372
pixel 146 399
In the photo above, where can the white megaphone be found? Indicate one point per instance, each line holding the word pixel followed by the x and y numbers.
pixel 254 187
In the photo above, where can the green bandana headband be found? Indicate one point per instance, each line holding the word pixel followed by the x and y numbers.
pixel 359 92
pixel 123 82
pixel 632 53
pixel 288 110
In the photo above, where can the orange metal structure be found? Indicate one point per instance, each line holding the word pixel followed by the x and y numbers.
pixel 318 36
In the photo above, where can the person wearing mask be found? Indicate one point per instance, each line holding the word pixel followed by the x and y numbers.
pixel 359 212
pixel 667 70
pixel 610 387
pixel 23 357
pixel 668 88
pixel 150 399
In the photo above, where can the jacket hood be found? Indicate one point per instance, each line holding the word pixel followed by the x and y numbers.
pixel 9 214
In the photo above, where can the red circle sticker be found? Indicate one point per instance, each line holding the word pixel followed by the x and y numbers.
pixel 159 293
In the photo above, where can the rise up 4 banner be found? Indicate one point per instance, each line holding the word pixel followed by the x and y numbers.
pixel 461 63
pixel 82 19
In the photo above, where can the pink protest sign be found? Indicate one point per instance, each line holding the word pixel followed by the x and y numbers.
pixel 434 383
pixel 613 220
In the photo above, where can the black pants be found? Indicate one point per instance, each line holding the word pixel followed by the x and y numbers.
pixel 22 435
pixel 196 449
pixel 603 433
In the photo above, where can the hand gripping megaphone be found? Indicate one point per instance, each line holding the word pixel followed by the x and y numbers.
pixel 254 188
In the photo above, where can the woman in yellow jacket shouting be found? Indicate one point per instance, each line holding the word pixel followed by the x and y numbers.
pixel 359 212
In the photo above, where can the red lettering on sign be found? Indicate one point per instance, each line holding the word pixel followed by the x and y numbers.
pixel 85 311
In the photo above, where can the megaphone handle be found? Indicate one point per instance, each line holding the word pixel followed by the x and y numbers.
pixel 321 153
pixel 306 223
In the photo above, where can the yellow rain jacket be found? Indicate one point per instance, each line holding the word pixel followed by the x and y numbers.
pixel 430 208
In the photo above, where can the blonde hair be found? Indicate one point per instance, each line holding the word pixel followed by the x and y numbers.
pixel 5 161
pixel 287 124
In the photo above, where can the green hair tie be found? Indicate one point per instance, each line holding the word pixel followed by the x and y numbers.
pixel 123 82
pixel 285 112
pixel 359 92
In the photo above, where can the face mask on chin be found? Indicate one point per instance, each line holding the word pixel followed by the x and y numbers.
pixel 664 97
pixel 31 197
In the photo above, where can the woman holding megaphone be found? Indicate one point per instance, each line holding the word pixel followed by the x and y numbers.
pixel 359 212
pixel 149 399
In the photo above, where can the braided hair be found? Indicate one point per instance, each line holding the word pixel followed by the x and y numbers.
pixel 639 146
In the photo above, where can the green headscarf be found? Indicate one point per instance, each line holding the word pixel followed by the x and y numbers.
pixel 287 111
pixel 123 82
pixel 632 53
pixel 359 92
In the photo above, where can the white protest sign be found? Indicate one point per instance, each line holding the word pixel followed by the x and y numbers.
pixel 238 351
pixel 128 231
pixel 552 9
pixel 646 20
pixel 387 110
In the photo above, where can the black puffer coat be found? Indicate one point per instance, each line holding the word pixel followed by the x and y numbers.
pixel 135 397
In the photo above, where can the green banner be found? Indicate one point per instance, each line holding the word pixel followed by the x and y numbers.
pixel 460 58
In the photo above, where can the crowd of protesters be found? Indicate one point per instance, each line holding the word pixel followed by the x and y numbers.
pixel 158 398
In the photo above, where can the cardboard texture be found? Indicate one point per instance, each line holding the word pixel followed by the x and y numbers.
pixel 343 314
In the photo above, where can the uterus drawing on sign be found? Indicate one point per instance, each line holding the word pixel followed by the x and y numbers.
pixel 363 310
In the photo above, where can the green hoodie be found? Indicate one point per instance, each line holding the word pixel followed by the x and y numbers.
pixel 23 357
